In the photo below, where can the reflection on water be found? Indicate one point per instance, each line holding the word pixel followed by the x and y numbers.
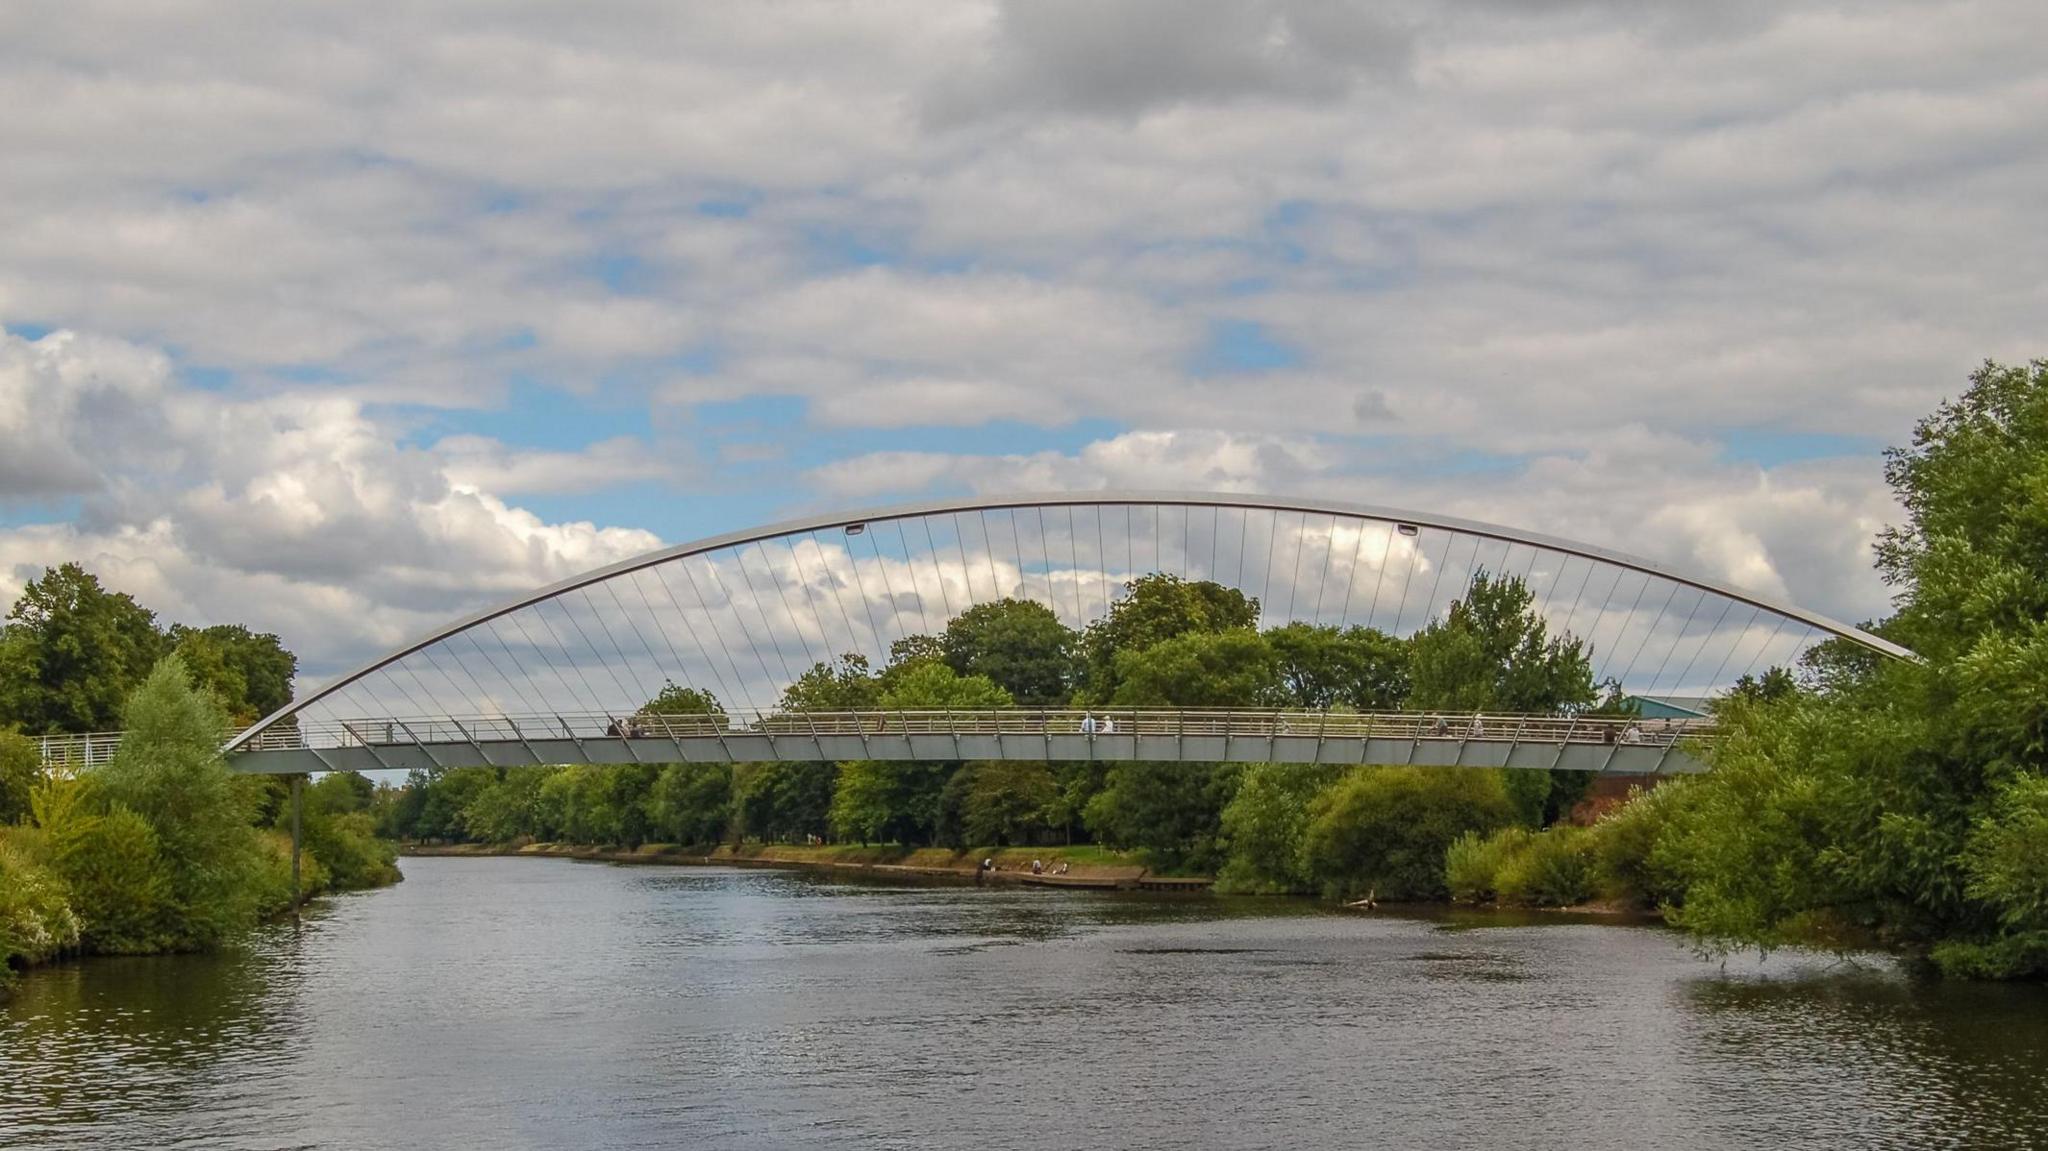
pixel 546 1004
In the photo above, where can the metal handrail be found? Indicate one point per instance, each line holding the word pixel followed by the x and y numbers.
pixel 79 752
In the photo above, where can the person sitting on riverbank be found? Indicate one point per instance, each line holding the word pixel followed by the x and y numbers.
pixel 1038 867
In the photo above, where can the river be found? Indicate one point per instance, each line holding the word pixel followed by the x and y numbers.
pixel 512 1003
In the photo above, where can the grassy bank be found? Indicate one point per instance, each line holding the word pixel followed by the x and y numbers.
pixel 1087 865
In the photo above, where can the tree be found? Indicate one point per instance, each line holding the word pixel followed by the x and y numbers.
pixel 72 652
pixel 1234 668
pixel 1266 825
pixel 692 802
pixel 1385 829
pixel 932 686
pixel 1019 644
pixel 1322 667
pixel 1900 800
pixel 845 685
pixel 783 801
pixel 1154 608
pixel 1007 802
pixel 1172 810
pixel 674 699
pixel 1492 652
pixel 1775 684
pixel 21 768
pixel 169 771
pixel 509 808
pixel 256 665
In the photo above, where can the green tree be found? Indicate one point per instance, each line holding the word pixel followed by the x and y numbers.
pixel 1007 802
pixel 1173 811
pixel 1386 829
pixel 1154 608
pixel 1897 799
pixel 674 699
pixel 1266 825
pixel 932 686
pixel 1321 667
pixel 692 802
pixel 783 801
pixel 508 809
pixel 1492 652
pixel 169 771
pixel 1019 644
pixel 255 667
pixel 1233 668
pixel 21 768
pixel 71 653
pixel 845 685
pixel 114 875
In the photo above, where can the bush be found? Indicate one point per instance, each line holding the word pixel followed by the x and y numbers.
pixel 346 847
pixel 1627 865
pixel 36 918
pixel 1474 862
pixel 1386 829
pixel 1266 823
pixel 1554 868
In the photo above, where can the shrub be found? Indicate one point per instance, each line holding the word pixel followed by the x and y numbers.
pixel 1385 829
pixel 36 919
pixel 1627 865
pixel 1553 869
pixel 1266 823
pixel 1473 863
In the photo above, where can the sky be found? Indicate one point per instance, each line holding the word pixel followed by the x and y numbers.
pixel 341 320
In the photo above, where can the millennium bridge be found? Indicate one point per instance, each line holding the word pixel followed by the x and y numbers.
pixel 564 674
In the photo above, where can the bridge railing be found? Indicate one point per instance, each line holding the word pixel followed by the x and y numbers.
pixel 1262 723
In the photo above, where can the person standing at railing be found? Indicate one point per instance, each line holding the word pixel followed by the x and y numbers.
pixel 1108 726
pixel 1087 723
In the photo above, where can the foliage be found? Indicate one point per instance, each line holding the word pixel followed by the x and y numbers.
pixel 1173 811
pixel 1896 801
pixel 1492 652
pixel 1020 645
pixel 249 672
pixel 1322 667
pixel 1474 861
pixel 509 809
pixel 169 771
pixel 783 801
pixel 1774 684
pixel 1266 824
pixel 114 875
pixel 1554 868
pixel 1155 608
pixel 934 686
pixel 21 768
pixel 1233 668
pixel 845 685
pixel 1625 848
pixel 1385 829
pixel 1007 802
pixel 72 651
pixel 691 802
pixel 674 699
pixel 37 921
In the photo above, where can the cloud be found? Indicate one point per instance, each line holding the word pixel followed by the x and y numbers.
pixel 295 513
pixel 1531 262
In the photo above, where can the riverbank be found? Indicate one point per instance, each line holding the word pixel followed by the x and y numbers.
pixel 1087 866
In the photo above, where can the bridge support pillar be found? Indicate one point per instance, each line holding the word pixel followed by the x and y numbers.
pixel 298 785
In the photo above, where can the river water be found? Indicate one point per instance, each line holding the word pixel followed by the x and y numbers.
pixel 548 1004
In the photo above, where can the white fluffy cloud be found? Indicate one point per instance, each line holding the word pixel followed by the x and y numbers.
pixel 296 513
pixel 1530 262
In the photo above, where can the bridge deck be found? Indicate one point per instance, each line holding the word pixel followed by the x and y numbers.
pixel 1616 746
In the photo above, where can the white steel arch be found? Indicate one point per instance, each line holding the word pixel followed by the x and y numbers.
pixel 578 645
